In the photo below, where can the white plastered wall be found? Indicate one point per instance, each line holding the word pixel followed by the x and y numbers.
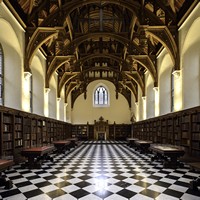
pixel 62 106
pixel 68 109
pixel 150 94
pixel 53 97
pixel 190 60
pixel 12 41
pixel 83 110
pixel 139 106
pixel 38 75
pixel 165 66
pixel 133 108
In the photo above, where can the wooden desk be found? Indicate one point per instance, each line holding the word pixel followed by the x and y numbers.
pixel 62 145
pixel 196 182
pixel 37 154
pixel 131 141
pixel 169 154
pixel 5 164
pixel 73 142
pixel 143 145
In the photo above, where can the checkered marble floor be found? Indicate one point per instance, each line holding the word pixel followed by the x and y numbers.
pixel 100 170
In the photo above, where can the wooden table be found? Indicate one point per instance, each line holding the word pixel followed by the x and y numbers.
pixel 143 145
pixel 37 154
pixel 168 153
pixel 131 141
pixel 5 164
pixel 73 142
pixel 62 145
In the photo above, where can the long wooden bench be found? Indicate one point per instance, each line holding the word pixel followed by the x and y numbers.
pixel 131 142
pixel 62 145
pixel 5 164
pixel 143 145
pixel 168 154
pixel 36 155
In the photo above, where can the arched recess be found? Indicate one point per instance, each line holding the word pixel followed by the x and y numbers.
pixel 112 113
pixel 191 66
pixel 38 74
pixel 164 84
pixel 12 63
pixel 150 97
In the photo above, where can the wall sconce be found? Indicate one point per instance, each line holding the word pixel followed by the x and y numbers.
pixel 47 90
pixel 136 103
pixel 58 99
pixel 66 104
pixel 176 73
pixel 143 98
pixel 155 89
pixel 27 75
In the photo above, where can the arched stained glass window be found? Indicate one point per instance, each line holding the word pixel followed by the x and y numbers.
pixel 1 77
pixel 101 96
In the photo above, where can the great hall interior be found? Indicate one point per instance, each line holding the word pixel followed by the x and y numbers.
pixel 99 99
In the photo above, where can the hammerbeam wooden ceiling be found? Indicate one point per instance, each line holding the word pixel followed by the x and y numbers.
pixel 115 40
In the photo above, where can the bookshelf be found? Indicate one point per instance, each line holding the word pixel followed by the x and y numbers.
pixel 81 131
pixel 180 128
pixel 45 135
pixel 185 130
pixel 177 130
pixel 27 132
pixel 195 136
pixel 19 130
pixel 111 131
pixel 90 132
pixel 7 136
pixel 18 135
pixel 34 133
pixel 50 130
pixel 122 131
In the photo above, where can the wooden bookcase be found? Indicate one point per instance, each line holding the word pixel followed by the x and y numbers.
pixel 20 130
pixel 112 131
pixel 27 132
pixel 90 132
pixel 81 131
pixel 195 136
pixel 119 131
pixel 50 130
pixel 186 131
pixel 18 136
pixel 7 134
pixel 179 128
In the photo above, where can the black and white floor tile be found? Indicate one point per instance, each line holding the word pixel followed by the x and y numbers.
pixel 100 170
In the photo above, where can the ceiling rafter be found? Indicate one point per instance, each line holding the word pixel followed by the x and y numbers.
pixel 53 64
pixel 34 42
pixel 123 37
